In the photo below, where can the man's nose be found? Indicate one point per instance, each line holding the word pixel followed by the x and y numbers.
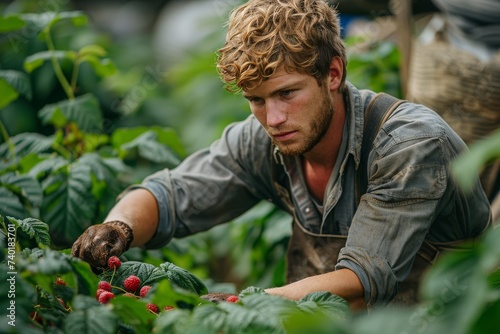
pixel 276 115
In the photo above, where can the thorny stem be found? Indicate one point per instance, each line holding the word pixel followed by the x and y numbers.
pixel 57 68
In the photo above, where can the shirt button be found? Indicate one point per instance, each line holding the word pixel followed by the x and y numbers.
pixel 307 210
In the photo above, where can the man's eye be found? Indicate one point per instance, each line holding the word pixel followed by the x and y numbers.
pixel 286 93
pixel 256 100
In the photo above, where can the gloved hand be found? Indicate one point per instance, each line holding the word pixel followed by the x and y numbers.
pixel 99 242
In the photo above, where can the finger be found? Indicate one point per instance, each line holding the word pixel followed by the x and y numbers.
pixel 100 252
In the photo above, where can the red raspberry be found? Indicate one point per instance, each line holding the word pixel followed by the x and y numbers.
pixel 98 293
pixel 105 297
pixel 168 308
pixel 36 317
pixel 104 285
pixel 152 308
pixel 114 262
pixel 60 281
pixel 132 283
pixel 232 299
pixel 144 291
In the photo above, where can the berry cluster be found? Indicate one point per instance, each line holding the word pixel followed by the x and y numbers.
pixel 131 288
pixel 38 309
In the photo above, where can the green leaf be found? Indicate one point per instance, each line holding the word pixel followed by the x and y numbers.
pixel 86 319
pixel 103 168
pixel 166 136
pixel 36 60
pixel 36 22
pixel 133 313
pixel 468 166
pixel 105 181
pixel 244 319
pixel 34 228
pixel 325 302
pixel 149 148
pixel 166 294
pixel 83 110
pixel 183 278
pixel 20 194
pixel 27 143
pixel 25 298
pixel 208 318
pixel 7 93
pixel 457 287
pixel 19 81
pixel 11 23
pixel 68 205
pixel 102 67
pixel 48 166
pixel 268 304
pixel 175 322
pixel 92 49
pixel 42 266
pixel 87 281
pixel 77 18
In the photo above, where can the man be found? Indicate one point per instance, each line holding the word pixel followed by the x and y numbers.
pixel 300 149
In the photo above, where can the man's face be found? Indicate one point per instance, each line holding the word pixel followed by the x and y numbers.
pixel 295 111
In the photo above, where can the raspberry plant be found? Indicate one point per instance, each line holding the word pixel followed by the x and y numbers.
pixel 70 174
pixel 56 293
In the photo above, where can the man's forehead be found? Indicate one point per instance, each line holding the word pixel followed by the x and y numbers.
pixel 279 78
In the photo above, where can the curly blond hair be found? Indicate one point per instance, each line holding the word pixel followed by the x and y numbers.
pixel 302 35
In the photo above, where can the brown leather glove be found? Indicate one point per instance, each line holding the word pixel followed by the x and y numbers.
pixel 99 242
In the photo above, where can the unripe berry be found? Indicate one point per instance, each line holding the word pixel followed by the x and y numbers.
pixel 144 291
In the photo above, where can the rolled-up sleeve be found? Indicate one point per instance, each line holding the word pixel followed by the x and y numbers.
pixel 408 176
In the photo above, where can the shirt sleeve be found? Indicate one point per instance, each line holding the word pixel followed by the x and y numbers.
pixel 213 185
pixel 408 175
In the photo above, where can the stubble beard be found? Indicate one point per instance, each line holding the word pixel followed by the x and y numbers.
pixel 318 126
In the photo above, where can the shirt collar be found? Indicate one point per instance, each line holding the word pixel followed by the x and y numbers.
pixel 354 110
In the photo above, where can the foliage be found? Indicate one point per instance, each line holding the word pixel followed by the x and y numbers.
pixel 374 65
pixel 66 155
pixel 481 154
pixel 71 176
pixel 53 292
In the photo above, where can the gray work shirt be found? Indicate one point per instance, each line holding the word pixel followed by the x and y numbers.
pixel 411 195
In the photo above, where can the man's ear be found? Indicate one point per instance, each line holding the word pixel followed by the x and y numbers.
pixel 335 74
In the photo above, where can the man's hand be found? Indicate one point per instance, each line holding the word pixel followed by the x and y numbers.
pixel 99 242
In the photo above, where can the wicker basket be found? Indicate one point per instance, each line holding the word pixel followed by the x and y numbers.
pixel 463 89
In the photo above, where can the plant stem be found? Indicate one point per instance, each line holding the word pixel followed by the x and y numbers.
pixel 57 68
pixel 74 75
pixel 62 150
pixel 6 138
